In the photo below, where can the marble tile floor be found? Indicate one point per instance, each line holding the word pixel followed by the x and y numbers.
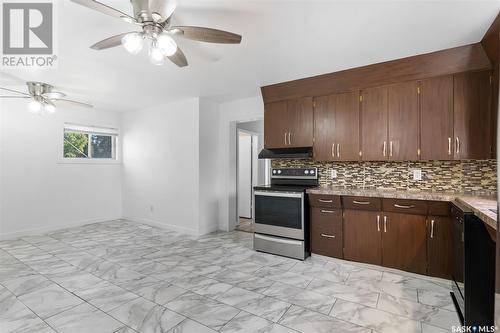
pixel 126 277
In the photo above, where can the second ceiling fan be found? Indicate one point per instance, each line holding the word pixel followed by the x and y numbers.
pixel 154 17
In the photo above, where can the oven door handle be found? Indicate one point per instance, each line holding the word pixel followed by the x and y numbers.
pixel 279 194
pixel 278 240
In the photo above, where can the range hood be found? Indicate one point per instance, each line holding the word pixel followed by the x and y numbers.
pixel 287 153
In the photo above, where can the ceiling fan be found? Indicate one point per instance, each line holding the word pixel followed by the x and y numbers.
pixel 154 17
pixel 42 97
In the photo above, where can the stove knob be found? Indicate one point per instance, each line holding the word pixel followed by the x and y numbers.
pixel 312 172
pixel 306 172
pixel 279 172
pixel 274 172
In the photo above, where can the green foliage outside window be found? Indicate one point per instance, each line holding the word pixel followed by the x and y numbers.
pixel 76 145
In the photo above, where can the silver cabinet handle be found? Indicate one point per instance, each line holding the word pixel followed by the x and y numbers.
pixel 432 228
pixel 403 206
pixel 325 201
pixel 378 223
pixel 385 223
pixel 285 139
pixel 327 211
pixel 457 148
pixel 390 149
pixel 338 149
pixel 290 138
pixel 333 149
pixel 384 150
pixel 327 236
pixel 361 202
pixel 449 146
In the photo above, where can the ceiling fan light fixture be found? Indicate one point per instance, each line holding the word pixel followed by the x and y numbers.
pixel 133 42
pixel 167 44
pixel 49 108
pixel 35 106
pixel 156 55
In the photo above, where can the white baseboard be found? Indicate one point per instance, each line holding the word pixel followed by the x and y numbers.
pixel 164 225
pixel 35 231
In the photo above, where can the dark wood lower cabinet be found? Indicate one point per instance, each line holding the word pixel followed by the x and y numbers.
pixel 440 246
pixel 326 232
pixel 404 243
pixel 362 236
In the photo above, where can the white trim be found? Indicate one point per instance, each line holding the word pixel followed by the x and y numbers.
pixel 64 160
pixel 36 231
pixel 163 225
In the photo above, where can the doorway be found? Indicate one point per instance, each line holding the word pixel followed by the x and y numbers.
pixel 247 173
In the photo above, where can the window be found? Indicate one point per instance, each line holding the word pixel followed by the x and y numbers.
pixel 87 142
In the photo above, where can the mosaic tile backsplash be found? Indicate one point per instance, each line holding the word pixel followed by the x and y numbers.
pixel 438 176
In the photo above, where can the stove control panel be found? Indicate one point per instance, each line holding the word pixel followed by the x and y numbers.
pixel 300 173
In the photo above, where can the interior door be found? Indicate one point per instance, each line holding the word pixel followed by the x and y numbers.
pixel 403 121
pixel 346 132
pixel 374 124
pixel 440 246
pixel 300 122
pixel 362 236
pixel 324 128
pixel 436 118
pixel 275 125
pixel 245 175
pixel 404 243
pixel 472 126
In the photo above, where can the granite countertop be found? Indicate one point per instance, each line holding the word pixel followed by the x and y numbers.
pixel 479 203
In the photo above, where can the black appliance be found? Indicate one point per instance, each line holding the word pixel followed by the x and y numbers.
pixel 281 212
pixel 287 153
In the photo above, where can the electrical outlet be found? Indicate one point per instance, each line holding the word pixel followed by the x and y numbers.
pixel 333 173
pixel 417 174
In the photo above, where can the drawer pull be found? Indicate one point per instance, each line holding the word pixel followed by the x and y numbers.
pixel 327 211
pixel 327 236
pixel 404 207
pixel 325 201
pixel 361 202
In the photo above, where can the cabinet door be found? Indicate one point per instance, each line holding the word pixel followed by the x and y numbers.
pixel 472 125
pixel 440 246
pixel 347 126
pixel 300 122
pixel 362 236
pixel 324 127
pixel 404 243
pixel 374 124
pixel 403 121
pixel 436 118
pixel 326 232
pixel 275 125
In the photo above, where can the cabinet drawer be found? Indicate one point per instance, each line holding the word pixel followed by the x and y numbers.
pixel 325 201
pixel 439 208
pixel 326 232
pixel 404 206
pixel 362 203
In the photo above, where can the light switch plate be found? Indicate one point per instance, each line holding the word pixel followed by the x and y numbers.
pixel 333 173
pixel 417 174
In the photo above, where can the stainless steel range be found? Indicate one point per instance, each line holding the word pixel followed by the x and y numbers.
pixel 281 213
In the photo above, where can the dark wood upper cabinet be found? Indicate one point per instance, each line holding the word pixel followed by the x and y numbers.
pixel 404 242
pixel 275 125
pixel 374 124
pixel 403 115
pixel 300 122
pixel 472 116
pixel 440 246
pixel 436 118
pixel 336 127
pixel 362 236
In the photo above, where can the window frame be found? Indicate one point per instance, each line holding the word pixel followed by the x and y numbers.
pixel 91 130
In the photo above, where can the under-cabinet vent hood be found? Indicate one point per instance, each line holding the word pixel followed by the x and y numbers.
pixel 287 153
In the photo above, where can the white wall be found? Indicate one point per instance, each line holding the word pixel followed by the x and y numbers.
pixel 39 191
pixel 247 109
pixel 161 165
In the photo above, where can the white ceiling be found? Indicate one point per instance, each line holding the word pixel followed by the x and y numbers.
pixel 282 40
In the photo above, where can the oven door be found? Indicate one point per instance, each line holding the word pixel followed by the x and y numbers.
pixel 279 213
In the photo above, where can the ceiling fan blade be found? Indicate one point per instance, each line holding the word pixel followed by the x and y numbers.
pixel 15 91
pixel 15 97
pixel 77 103
pixel 179 58
pixel 105 9
pixel 109 42
pixel 54 95
pixel 208 35
pixel 165 8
